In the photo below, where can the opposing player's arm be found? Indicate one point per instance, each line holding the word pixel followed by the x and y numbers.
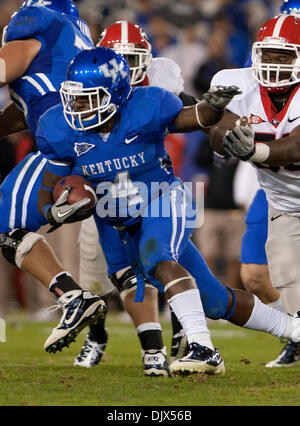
pixel 11 120
pixel 207 112
pixel 15 58
pixel 240 142
pixel 284 151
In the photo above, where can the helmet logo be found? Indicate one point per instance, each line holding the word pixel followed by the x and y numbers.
pixel 44 3
pixel 114 71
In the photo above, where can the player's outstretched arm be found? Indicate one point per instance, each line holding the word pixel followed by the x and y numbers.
pixel 11 120
pixel 15 58
pixel 240 143
pixel 207 112
pixel 285 151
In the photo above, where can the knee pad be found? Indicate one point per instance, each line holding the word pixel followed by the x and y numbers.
pixel 126 283
pixel 17 243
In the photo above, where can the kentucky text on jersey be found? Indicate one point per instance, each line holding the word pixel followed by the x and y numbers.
pixel 114 164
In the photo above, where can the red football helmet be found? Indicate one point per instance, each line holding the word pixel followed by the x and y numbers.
pixel 131 41
pixel 281 33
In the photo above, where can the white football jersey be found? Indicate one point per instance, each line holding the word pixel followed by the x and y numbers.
pixel 281 184
pixel 165 73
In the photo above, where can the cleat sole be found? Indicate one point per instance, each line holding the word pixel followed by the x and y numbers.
pixel 196 369
pixel 155 373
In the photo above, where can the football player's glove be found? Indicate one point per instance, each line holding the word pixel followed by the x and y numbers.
pixel 239 142
pixel 61 212
pixel 218 97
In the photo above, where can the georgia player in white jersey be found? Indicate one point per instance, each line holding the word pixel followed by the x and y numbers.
pixel 269 138
pixel 131 41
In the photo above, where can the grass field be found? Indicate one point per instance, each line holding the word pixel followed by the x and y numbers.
pixel 29 376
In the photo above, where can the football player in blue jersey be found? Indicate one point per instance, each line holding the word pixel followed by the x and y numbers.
pixel 254 264
pixel 33 61
pixel 130 40
pixel 114 136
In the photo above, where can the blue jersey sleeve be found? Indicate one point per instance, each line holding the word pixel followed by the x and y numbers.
pixel 171 106
pixel 54 140
pixel 29 22
pixel 162 107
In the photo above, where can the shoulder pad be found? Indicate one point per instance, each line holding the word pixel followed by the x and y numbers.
pixel 28 22
pixel 166 73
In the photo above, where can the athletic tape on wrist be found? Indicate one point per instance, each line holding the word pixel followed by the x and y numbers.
pixel 262 152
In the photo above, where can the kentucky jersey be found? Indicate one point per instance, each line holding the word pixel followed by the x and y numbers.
pixel 62 37
pixel 125 168
pixel 281 184
pixel 135 149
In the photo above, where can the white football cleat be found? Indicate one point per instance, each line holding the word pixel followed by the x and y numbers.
pixel 155 362
pixel 199 359
pixel 80 308
pixel 91 353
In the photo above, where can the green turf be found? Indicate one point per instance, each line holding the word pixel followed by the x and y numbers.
pixel 30 376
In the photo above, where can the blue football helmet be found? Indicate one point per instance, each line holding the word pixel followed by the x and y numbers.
pixel 97 83
pixel 290 7
pixel 64 6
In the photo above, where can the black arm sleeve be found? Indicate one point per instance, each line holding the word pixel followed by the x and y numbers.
pixel 188 100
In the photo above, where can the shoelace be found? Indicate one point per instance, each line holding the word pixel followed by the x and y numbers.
pixel 53 308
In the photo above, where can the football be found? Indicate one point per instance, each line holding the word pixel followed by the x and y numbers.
pixel 81 188
pixel 243 121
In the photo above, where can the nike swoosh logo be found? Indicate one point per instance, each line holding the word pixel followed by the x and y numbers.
pixel 176 346
pixel 290 120
pixel 72 317
pixel 59 214
pixel 275 217
pixel 131 139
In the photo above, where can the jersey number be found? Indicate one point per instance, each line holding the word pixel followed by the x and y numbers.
pixel 123 187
